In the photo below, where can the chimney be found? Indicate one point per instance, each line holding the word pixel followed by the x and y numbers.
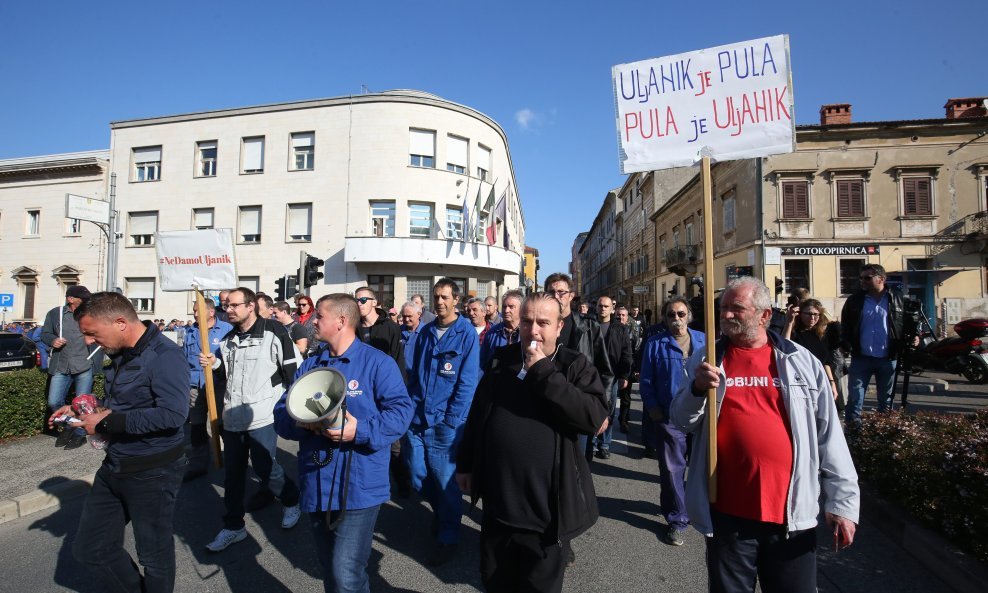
pixel 969 107
pixel 835 113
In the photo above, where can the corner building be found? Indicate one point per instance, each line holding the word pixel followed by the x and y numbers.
pixel 393 190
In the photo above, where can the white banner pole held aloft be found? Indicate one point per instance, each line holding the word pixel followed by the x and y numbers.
pixel 203 319
pixel 710 323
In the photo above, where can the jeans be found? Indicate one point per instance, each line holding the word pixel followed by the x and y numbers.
pixel 742 551
pixel 862 369
pixel 147 500
pixel 344 551
pixel 58 389
pixel 604 440
pixel 431 457
pixel 672 471
pixel 260 445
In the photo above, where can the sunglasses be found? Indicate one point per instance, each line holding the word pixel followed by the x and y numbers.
pixel 675 314
pixel 363 300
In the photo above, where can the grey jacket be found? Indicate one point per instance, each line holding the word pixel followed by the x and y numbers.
pixel 820 453
pixel 70 359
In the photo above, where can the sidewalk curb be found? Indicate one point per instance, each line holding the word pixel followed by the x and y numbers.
pixel 959 570
pixel 40 500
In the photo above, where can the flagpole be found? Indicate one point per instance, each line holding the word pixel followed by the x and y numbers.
pixel 708 303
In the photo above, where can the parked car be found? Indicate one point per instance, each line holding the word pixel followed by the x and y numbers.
pixel 17 352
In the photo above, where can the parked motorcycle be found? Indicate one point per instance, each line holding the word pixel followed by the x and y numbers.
pixel 965 354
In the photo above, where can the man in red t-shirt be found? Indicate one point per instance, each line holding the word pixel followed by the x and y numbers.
pixel 778 440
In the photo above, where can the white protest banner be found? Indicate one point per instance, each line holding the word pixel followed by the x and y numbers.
pixel 728 102
pixel 203 259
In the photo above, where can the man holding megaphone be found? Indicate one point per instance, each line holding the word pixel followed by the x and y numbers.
pixel 346 406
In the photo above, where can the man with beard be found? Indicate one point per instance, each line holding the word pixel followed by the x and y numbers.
pixel 520 455
pixel 663 357
pixel 779 443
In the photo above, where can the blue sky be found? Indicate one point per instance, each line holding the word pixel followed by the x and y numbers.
pixel 540 69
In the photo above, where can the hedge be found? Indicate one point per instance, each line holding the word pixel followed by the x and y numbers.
pixel 935 465
pixel 24 402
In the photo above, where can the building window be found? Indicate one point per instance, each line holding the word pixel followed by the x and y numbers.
pixel 303 151
pixel 456 154
pixel 797 274
pixel 420 220
pixel 142 227
pixel 73 226
pixel 202 218
pixel 251 282
pixel 454 223
pixel 419 285
pixel 382 219
pixel 689 233
pixel 728 200
pixel 252 155
pixel 140 291
pixel 795 199
pixel 675 236
pixel 917 195
pixel 32 223
pixel 384 287
pixel 300 222
pixel 250 224
pixel 422 148
pixel 850 198
pixel 206 158
pixel 147 163
pixel 484 163
pixel 849 270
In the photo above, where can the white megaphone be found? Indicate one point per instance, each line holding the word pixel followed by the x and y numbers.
pixel 317 397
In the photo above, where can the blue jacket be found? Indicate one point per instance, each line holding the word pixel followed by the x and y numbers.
pixel 193 349
pixel 149 398
pixel 664 368
pixel 377 398
pixel 35 336
pixel 445 374
pixel 494 339
pixel 408 339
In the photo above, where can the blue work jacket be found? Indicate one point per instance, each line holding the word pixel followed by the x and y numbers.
pixel 445 373
pixel 377 398
pixel 408 339
pixel 664 368
pixel 494 339
pixel 193 349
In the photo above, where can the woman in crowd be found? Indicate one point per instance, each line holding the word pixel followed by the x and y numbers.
pixel 808 325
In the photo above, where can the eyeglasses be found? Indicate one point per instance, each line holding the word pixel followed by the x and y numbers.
pixel 675 314
pixel 232 305
pixel 363 300
pixel 303 305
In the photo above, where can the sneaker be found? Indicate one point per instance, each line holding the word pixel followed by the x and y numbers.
pixel 290 516
pixel 603 454
pixel 225 538
pixel 442 554
pixel 261 499
pixel 674 537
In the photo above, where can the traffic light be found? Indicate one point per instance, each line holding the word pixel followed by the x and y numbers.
pixel 308 271
pixel 287 287
pixel 779 286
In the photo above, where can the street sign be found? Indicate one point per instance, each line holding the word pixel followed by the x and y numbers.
pixel 83 208
pixel 6 300
pixel 641 289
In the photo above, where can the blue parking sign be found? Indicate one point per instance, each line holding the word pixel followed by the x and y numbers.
pixel 6 300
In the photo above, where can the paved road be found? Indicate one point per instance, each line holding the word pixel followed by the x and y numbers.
pixel 621 553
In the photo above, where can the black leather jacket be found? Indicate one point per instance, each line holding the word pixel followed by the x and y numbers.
pixel 850 318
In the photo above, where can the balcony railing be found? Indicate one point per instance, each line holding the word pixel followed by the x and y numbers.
pixel 681 256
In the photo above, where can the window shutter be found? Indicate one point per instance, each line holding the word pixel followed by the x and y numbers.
pixel 253 154
pixel 856 198
pixel 203 218
pixel 422 143
pixel 143 223
pixel 150 154
pixel 303 139
pixel 250 220
pixel 300 220
pixel 140 288
pixel 457 151
pixel 844 198
pixel 923 202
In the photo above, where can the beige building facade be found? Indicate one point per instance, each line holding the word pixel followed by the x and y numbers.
pixel 384 187
pixel 909 195
pixel 41 251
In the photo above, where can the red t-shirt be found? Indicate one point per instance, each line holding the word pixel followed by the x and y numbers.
pixel 754 439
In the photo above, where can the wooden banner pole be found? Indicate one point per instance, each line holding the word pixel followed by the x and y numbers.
pixel 214 424
pixel 710 323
